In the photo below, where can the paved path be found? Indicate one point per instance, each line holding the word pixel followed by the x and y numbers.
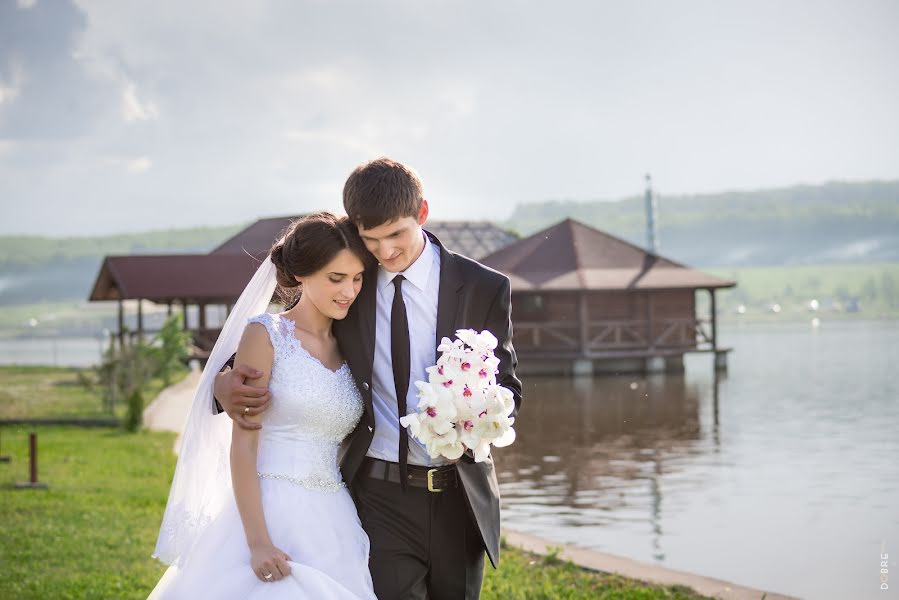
pixel 610 563
pixel 169 410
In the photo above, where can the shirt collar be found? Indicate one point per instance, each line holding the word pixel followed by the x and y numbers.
pixel 418 272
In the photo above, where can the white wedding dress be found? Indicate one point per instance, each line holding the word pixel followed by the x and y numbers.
pixel 308 510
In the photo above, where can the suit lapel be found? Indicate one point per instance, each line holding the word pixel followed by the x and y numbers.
pixel 448 297
pixel 367 299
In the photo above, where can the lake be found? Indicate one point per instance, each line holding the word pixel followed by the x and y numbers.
pixel 781 474
pixel 61 351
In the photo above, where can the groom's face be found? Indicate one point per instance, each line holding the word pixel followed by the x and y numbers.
pixel 396 244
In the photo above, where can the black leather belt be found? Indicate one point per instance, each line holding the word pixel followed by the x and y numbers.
pixel 435 479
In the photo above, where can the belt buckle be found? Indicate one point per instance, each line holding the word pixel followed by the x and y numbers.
pixel 431 487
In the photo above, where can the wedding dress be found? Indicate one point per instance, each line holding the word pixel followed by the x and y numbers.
pixel 308 510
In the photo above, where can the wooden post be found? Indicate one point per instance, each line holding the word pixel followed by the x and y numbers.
pixel 4 458
pixel 650 336
pixel 201 317
pixel 184 312
pixel 33 483
pixel 714 320
pixel 140 319
pixel 583 319
pixel 168 312
pixel 121 325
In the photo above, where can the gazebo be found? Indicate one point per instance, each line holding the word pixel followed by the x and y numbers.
pixel 184 280
pixel 584 301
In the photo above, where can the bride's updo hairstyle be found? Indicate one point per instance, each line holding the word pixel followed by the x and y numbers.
pixel 310 243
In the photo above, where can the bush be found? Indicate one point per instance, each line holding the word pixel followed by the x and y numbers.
pixel 127 369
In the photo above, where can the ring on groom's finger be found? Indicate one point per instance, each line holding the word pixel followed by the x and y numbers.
pixel 246 411
pixel 268 576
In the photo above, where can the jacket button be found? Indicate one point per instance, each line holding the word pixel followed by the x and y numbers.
pixel 365 385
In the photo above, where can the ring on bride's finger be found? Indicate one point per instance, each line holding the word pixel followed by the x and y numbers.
pixel 246 410
pixel 268 576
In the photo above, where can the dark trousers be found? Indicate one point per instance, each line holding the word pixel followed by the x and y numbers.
pixel 424 545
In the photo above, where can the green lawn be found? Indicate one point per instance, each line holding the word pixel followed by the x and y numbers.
pixel 31 392
pixel 90 535
pixel 44 392
pixel 525 576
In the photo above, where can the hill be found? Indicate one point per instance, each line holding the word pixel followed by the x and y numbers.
pixel 45 269
pixel 824 224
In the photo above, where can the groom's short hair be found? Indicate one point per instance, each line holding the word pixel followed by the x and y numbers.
pixel 381 191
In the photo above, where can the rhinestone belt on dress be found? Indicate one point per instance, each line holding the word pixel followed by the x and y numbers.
pixel 318 483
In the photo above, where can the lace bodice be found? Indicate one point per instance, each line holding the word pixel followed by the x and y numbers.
pixel 312 410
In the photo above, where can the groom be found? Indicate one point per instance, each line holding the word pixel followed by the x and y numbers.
pixel 429 520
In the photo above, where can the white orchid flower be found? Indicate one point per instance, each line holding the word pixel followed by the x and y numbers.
pixel 485 341
pixel 467 336
pixel 446 444
pixel 467 433
pixel 506 438
pixel 506 398
pixel 413 423
pixel 481 451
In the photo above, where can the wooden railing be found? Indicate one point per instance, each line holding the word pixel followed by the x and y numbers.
pixel 603 336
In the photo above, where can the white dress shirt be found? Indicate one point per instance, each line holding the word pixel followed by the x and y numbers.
pixel 421 311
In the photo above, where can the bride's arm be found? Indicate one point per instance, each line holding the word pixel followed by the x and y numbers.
pixel 255 350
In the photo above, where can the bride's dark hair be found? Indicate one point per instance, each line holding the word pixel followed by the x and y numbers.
pixel 310 243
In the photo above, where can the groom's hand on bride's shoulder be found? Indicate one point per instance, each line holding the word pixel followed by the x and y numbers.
pixel 237 398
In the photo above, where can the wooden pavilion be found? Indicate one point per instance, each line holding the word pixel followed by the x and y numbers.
pixel 585 301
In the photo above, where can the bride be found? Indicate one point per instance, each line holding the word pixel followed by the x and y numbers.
pixel 264 513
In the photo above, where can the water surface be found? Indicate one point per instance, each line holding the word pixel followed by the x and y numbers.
pixel 780 474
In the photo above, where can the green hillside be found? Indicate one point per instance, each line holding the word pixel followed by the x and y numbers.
pixel 831 223
pixel 20 252
pixel 45 269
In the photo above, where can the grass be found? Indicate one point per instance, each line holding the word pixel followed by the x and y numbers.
pixel 32 392
pixel 525 576
pixel 43 392
pixel 875 285
pixel 91 533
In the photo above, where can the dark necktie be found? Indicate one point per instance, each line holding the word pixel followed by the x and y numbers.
pixel 399 349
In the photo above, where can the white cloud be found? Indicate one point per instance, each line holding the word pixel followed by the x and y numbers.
pixel 139 166
pixel 135 110
pixel 26 4
pixel 9 90
pixel 339 139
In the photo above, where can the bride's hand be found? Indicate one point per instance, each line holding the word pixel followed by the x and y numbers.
pixel 269 560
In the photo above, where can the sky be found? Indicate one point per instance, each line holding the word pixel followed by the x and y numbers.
pixel 122 116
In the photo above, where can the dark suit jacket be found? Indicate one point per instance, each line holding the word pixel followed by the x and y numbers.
pixel 471 296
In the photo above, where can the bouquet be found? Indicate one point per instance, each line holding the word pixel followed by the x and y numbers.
pixel 461 407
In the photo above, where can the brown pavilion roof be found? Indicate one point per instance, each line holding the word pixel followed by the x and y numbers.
pixel 573 256
pixel 192 278
pixel 471 238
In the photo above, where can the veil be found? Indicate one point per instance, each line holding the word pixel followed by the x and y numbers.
pixel 202 482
